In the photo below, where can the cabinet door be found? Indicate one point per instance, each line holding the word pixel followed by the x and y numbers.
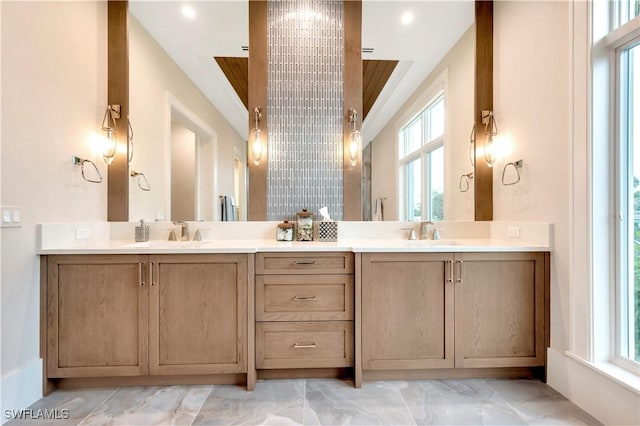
pixel 407 311
pixel 499 309
pixel 97 316
pixel 198 314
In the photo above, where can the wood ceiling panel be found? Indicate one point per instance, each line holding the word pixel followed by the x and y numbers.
pixel 375 74
pixel 237 72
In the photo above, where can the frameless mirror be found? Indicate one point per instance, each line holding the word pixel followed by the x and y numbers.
pixel 190 120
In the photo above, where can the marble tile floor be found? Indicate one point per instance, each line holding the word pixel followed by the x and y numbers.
pixel 317 402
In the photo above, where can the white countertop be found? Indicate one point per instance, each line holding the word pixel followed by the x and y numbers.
pixel 263 245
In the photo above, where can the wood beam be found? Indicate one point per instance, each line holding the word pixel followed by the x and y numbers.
pixel 352 93
pixel 483 174
pixel 257 199
pixel 118 94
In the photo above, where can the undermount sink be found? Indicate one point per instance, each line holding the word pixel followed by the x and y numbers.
pixel 432 243
pixel 158 244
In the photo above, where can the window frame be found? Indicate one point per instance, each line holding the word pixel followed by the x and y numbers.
pixel 423 153
pixel 620 41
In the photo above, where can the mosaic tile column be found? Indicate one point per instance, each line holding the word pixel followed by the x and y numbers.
pixel 305 106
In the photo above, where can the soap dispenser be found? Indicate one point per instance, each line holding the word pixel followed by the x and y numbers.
pixel 142 232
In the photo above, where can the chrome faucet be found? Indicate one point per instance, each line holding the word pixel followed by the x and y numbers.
pixel 424 231
pixel 184 230
pixel 198 234
pixel 412 233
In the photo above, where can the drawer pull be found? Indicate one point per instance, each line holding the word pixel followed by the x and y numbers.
pixel 304 262
pixel 140 281
pixel 304 298
pixel 304 345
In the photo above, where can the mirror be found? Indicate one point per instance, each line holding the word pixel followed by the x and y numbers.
pixel 163 97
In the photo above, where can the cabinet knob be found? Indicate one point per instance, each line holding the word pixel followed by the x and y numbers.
pixel 304 345
pixel 304 262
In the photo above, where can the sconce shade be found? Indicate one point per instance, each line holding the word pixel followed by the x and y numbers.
pixel 490 151
pixel 354 147
pixel 355 143
pixel 256 147
pixel 472 146
pixel 109 128
pixel 490 130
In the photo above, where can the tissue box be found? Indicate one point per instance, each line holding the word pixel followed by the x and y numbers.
pixel 327 231
pixel 142 233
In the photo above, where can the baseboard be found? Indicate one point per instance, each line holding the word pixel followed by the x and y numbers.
pixel 21 388
pixel 596 393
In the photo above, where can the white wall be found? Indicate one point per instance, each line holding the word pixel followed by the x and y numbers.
pixel 183 173
pixel 54 91
pixel 532 101
pixel 459 67
pixel 536 107
pixel 152 74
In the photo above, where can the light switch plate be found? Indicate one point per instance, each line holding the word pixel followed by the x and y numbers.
pixel 513 231
pixel 82 233
pixel 11 216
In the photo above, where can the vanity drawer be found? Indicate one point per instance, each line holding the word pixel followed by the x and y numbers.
pixel 304 263
pixel 304 344
pixel 304 297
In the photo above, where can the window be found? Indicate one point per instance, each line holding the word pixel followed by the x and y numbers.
pixel 421 163
pixel 626 11
pixel 628 232
pixel 624 40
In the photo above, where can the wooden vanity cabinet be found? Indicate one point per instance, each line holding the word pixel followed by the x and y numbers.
pixel 137 315
pixel 500 309
pixel 96 316
pixel 304 310
pixel 407 311
pixel 453 310
pixel 197 314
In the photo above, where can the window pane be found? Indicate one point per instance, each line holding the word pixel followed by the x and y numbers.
pixel 630 285
pixel 412 136
pixel 634 139
pixel 414 191
pixel 436 119
pixel 436 184
pixel 628 9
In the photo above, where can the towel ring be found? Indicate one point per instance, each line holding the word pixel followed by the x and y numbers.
pixel 141 180
pixel 517 165
pixel 465 183
pixel 81 162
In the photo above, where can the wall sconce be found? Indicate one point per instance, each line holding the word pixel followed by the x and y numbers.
pixel 356 139
pixel 472 146
pixel 109 128
pixel 257 147
pixel 490 130
pixel 130 138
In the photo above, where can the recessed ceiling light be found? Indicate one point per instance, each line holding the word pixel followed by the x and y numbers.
pixel 407 18
pixel 188 11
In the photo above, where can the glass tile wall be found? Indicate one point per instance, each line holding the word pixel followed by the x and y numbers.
pixel 304 107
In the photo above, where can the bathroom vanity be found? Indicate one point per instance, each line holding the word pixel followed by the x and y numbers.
pixel 234 311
